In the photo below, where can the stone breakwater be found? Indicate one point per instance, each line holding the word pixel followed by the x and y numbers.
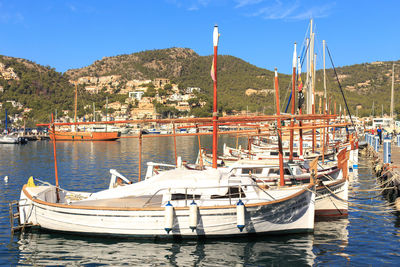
pixel 388 175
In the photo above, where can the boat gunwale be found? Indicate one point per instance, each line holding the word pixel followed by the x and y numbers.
pixel 58 205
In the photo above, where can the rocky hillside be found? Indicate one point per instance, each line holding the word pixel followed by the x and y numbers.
pixel 35 91
pixel 362 83
pixel 142 65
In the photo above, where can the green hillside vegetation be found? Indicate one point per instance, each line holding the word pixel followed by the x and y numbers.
pixel 45 90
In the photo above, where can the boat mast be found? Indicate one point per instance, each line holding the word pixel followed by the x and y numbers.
pixel 300 86
pixel 76 103
pixel 311 81
pixel 6 126
pixel 325 97
pixel 307 82
pixel 106 111
pixel 294 62
pixel 278 113
pixel 215 111
pixel 392 96
pixel 55 157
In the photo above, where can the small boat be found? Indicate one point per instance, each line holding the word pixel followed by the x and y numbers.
pixel 12 139
pixel 176 203
pixel 85 136
pixel 153 131
pixel 8 139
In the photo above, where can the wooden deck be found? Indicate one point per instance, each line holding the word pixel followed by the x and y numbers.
pixel 395 155
pixel 125 202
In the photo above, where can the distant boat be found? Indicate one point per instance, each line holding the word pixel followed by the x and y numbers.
pixel 153 131
pixel 96 133
pixel 85 136
pixel 12 139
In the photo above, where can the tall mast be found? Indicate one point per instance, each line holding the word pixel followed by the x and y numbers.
pixel 323 44
pixel 215 110
pixel 392 97
pixel 94 112
pixel 300 100
pixel 311 81
pixel 76 102
pixel 294 63
pixel 106 111
pixel 314 137
pixel 278 113
pixel 307 82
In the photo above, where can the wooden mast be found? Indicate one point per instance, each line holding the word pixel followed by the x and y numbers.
pixel 176 155
pixel 76 104
pixel 300 107
pixel 294 62
pixel 278 113
pixel 55 157
pixel 392 97
pixel 215 110
pixel 314 137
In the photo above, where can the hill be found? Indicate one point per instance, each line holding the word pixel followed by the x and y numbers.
pixel 362 83
pixel 36 91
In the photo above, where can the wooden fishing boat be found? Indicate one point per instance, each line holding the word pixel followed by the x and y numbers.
pixel 176 203
pixel 84 136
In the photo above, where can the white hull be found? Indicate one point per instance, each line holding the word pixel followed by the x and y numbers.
pixel 332 199
pixel 292 214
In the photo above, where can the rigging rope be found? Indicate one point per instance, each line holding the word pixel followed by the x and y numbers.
pixel 340 86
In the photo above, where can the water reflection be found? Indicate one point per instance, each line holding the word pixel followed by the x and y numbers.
pixel 58 249
pixel 369 236
pixel 331 239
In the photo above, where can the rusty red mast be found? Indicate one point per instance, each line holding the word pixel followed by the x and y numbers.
pixel 215 110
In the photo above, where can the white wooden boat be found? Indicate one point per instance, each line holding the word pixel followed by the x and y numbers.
pixel 8 139
pixel 179 202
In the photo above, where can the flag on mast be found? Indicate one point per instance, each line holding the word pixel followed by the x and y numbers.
pixel 212 71
pixel 215 44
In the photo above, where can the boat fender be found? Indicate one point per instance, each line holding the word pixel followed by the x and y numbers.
pixel 193 216
pixel 169 217
pixel 240 215
pixel 6 178
pixel 30 182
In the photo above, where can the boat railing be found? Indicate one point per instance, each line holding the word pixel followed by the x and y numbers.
pixel 233 192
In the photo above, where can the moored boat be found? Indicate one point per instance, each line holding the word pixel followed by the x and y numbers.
pixel 183 203
pixel 85 136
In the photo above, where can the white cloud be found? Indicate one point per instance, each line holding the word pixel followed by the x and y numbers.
pixel 292 11
pixel 192 5
pixel 71 7
pixel 243 3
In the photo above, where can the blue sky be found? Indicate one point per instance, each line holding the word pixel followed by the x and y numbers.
pixel 75 33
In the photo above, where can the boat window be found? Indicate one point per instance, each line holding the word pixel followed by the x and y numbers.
pixel 233 192
pixel 184 196
pixel 274 171
pixel 252 170
pixel 274 153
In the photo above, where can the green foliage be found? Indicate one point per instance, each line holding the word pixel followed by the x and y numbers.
pixel 45 90
pixel 151 92
pixel 168 87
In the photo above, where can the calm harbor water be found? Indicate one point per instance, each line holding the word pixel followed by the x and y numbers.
pixel 369 236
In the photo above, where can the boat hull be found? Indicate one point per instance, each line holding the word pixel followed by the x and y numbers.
pixel 85 136
pixel 332 199
pixel 290 215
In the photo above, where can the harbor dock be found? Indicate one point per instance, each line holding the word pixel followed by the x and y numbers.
pixel 387 170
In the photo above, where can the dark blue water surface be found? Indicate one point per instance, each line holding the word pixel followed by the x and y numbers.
pixel 369 236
